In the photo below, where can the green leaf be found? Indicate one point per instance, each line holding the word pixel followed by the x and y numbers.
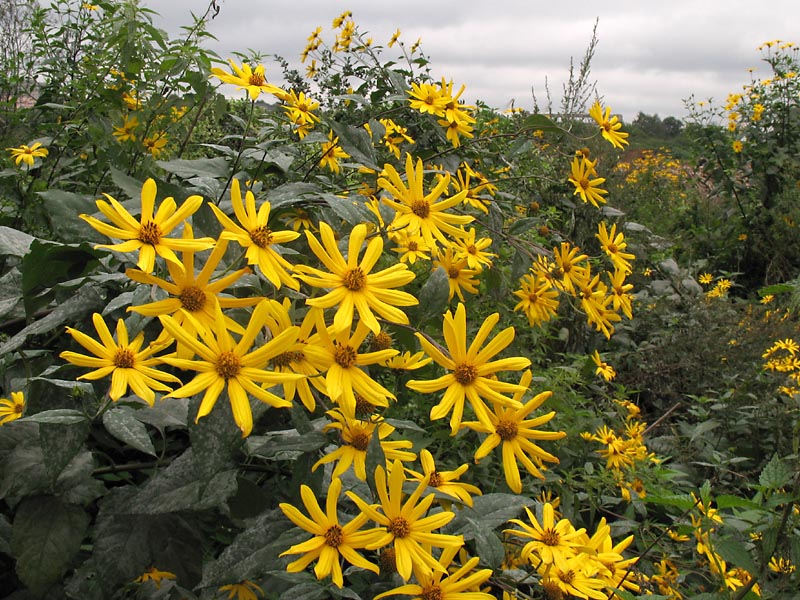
pixel 703 428
pixel 60 443
pixel 522 225
pixel 46 535
pixel 294 192
pixel 62 209
pixel 214 439
pixel 348 209
pixel 728 501
pixel 404 424
pixel 122 423
pixel 200 167
pixel 357 143
pixel 487 545
pixel 11 294
pixel 433 296
pixel 285 446
pixel 131 187
pixel 84 301
pixel 14 242
pixel 735 552
pixel 58 416
pixel 779 288
pixel 170 412
pixel 679 501
pixel 539 121
pixel 491 510
pixel 776 474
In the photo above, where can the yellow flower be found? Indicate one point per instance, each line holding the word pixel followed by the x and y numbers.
pixel 705 278
pixel 474 251
pixel 576 577
pixel 604 370
pixel 148 235
pixel 589 190
pixel 127 363
pixel 514 430
pixel 246 590
pixel 356 435
pixel 226 364
pixel 427 98
pixel 609 126
pixel 125 132
pixel 538 299
pixel 192 294
pixel 407 361
pixel 155 144
pixel 410 246
pixel 781 565
pixel 154 575
pixel 332 541
pixel 255 235
pixel 352 285
pixel 420 213
pixel 395 37
pixel 27 154
pixel 458 275
pixel 11 410
pixel 614 245
pixel 410 533
pixel 338 352
pixel 331 153
pixel 551 543
pixel 472 373
pixel 738 146
pixel 448 582
pixel 445 482
pixel 572 268
pixel 245 77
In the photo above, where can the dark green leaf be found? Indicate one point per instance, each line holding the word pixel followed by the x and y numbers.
pixel 201 167
pixel 523 225
pixel 348 209
pixel 170 412
pixel 727 501
pixel 214 439
pixel 776 474
pixel 60 443
pixel 283 446
pixel 539 121
pixel 60 416
pixel 294 192
pixel 487 545
pixel 122 423
pixel 736 553
pixel 433 296
pixel 492 510
pixel 130 186
pixel 404 424
pixel 84 301
pixel 14 242
pixel 357 143
pixel 62 209
pixel 11 295
pixel 46 535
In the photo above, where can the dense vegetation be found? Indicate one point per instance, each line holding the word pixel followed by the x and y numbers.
pixel 351 337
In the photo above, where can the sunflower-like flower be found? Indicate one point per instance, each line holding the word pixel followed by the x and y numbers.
pixel 244 590
pixel 245 77
pixel 419 212
pixel 609 126
pixel 257 238
pixel 148 234
pixel 448 583
pixel 588 188
pixel 538 299
pixel 28 154
pixel 356 435
pixel 332 152
pixel 472 373
pixel 604 370
pixel 351 283
pixel 11 409
pixel 127 131
pixel 614 245
pixel 474 251
pixel 332 541
pixel 445 482
pixel 459 277
pixel 514 430
pixel 193 294
pixel 225 363
pixel 571 267
pixel 552 543
pixel 126 362
pixel 403 523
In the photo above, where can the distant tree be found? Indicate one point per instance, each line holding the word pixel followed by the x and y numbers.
pixel 654 126
pixel 672 126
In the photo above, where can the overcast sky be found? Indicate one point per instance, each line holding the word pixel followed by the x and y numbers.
pixel 651 54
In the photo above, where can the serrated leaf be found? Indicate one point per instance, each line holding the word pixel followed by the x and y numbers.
pixel 776 474
pixel 60 443
pixel 703 428
pixel 357 143
pixel 84 301
pixel 200 167
pixel 58 416
pixel 728 501
pixel 46 535
pixel 433 296
pixel 286 445
pixel 736 553
pixel 294 192
pixel 214 439
pixel 169 412
pixel 492 510
pixel 123 425
pixel 348 209
pixel 487 545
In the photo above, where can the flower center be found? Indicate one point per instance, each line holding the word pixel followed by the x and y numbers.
pixel 228 365
pixel 360 442
pixel 380 341
pixel 388 561
pixel 472 249
pixel 124 358
pixel 334 536
pixel 550 537
pixel 584 183
pixel 286 358
pixel 421 208
pixel 435 480
pixel 18 408
pixel 150 233
pixel 256 79
pixel 466 373
pixel 345 356
pixel 355 279
pixel 612 248
pixel 567 577
pixel 364 408
pixel 412 246
pixel 453 272
pixel 192 298
pixel 261 236
pixel 507 430
pixel 433 592
pixel 399 527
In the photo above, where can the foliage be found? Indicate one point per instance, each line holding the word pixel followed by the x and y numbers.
pixel 274 290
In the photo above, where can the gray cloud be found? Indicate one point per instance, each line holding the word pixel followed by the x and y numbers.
pixel 650 56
